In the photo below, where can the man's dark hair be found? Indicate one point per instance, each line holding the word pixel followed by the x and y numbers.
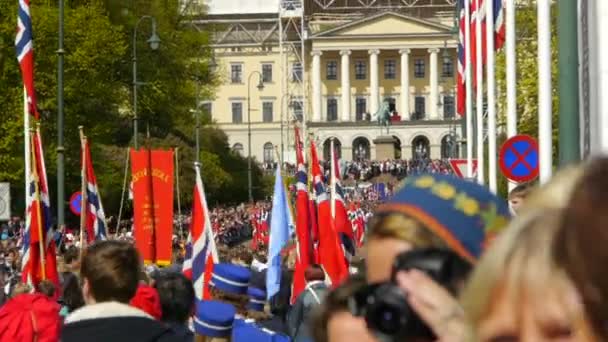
pixel 112 270
pixel 314 272
pixel 71 254
pixel 47 288
pixel 72 293
pixel 176 296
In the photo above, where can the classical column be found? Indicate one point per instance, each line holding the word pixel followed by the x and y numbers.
pixel 373 81
pixel 434 83
pixel 405 84
pixel 345 84
pixel 316 86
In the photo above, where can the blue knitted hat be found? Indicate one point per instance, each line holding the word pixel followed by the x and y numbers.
pixel 213 318
pixel 465 215
pixel 231 278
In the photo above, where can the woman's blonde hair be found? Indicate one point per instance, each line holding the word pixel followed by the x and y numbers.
pixel 401 227
pixel 519 261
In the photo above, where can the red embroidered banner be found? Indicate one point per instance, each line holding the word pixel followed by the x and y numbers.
pixel 152 176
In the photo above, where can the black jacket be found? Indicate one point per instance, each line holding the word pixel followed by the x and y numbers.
pixel 114 322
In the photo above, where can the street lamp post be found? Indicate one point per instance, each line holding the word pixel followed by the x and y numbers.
pixel 154 42
pixel 282 126
pixel 60 124
pixel 260 88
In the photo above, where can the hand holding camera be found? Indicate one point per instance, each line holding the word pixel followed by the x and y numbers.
pixel 418 303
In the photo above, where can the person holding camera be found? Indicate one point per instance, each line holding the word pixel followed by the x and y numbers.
pixel 421 246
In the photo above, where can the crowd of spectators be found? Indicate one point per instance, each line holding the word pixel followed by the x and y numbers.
pixel 399 168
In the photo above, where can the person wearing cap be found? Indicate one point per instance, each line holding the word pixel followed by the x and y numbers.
pixel 213 321
pixel 110 277
pixel 439 211
pixel 298 320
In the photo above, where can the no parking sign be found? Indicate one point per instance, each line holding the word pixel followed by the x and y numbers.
pixel 518 158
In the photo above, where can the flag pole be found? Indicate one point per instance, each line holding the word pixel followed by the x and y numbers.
pixel 491 88
pixel 545 138
pixel 83 190
pixel 26 144
pixel 469 88
pixel 479 89
pixel 41 242
pixel 332 179
pixel 511 65
pixel 179 204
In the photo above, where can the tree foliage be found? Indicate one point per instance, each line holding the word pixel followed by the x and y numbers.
pixel 98 95
pixel 527 72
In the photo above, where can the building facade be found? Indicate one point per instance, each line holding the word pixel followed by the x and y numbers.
pixel 345 66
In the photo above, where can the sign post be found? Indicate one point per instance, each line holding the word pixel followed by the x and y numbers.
pixel 518 158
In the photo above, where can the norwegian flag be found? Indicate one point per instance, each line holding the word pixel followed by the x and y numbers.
pixel 24 45
pixel 38 250
pixel 331 255
pixel 201 252
pixel 499 40
pixel 95 216
pixel 302 223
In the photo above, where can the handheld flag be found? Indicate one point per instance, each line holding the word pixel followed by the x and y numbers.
pixel 201 252
pixel 24 45
pixel 95 216
pixel 279 234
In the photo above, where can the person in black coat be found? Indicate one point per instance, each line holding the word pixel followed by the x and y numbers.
pixel 110 273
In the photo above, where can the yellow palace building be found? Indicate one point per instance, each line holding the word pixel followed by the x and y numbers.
pixel 329 65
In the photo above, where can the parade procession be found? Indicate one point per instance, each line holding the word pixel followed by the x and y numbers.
pixel 303 170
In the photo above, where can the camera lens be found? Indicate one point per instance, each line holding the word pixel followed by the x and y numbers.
pixel 389 321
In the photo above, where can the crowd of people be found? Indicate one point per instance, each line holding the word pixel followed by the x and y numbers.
pixel 399 168
pixel 442 259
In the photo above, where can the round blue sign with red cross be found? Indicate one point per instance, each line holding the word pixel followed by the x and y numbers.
pixel 75 203
pixel 518 158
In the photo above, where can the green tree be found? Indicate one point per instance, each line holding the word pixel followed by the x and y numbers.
pixel 98 95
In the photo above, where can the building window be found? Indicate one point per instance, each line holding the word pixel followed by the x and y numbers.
pixel 268 153
pixel 238 149
pixel 332 70
pixel 419 68
pixel 390 69
pixel 236 73
pixel 267 73
pixel 448 107
pixel 267 111
pixel 332 109
pixel 296 72
pixel 449 146
pixel 237 112
pixel 360 108
pixel 360 70
pixel 297 110
pixel 448 68
pixel 419 108
pixel 206 109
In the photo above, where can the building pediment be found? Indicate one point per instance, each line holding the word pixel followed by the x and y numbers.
pixel 388 24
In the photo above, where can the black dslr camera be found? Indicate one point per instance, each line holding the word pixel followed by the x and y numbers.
pixel 384 305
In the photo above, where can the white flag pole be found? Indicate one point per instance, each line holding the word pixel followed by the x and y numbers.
pixel 491 79
pixel 332 180
pixel 544 90
pixel 469 87
pixel 479 100
pixel 26 145
pixel 511 65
